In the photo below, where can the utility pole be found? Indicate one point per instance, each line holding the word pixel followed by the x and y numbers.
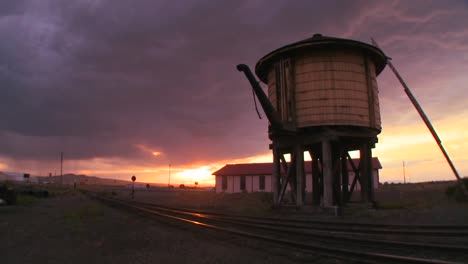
pixel 61 168
pixel 169 182
pixel 404 174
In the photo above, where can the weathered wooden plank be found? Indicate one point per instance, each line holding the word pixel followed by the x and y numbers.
pixel 311 84
pixel 343 103
pixel 330 66
pixel 331 94
pixel 306 76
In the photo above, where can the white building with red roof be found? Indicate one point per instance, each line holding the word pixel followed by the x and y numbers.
pixel 256 177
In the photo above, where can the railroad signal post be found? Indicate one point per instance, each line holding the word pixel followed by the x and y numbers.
pixel 133 186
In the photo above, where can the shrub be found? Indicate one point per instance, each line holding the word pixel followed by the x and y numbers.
pixel 455 191
pixel 25 199
pixel 8 194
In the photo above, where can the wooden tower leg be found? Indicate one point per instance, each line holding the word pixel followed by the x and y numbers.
pixel 337 197
pixel 366 173
pixel 344 177
pixel 300 177
pixel 371 176
pixel 315 179
pixel 292 177
pixel 327 174
pixel 276 176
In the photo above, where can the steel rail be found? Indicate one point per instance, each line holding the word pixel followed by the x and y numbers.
pixel 369 257
pixel 387 228
pixel 305 230
pixel 367 230
pixel 281 223
pixel 338 223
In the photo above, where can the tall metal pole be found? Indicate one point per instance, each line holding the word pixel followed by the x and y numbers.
pixel 169 182
pixel 426 121
pixel 404 173
pixel 61 167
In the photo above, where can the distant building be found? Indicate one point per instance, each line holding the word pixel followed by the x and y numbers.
pixel 16 177
pixel 256 177
pixel 3 176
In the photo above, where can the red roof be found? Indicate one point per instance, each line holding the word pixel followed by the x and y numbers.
pixel 267 168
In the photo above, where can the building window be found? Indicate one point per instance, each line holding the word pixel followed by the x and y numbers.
pixel 242 183
pixel 261 182
pixel 224 182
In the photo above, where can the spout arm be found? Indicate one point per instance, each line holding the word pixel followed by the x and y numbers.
pixel 268 108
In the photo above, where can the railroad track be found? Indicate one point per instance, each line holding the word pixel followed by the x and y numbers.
pixel 349 241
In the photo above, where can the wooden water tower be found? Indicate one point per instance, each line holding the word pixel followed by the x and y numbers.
pixel 322 98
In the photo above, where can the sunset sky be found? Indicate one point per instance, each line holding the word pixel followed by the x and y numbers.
pixel 128 87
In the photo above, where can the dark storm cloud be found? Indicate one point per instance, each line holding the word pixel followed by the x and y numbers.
pixel 9 8
pixel 100 78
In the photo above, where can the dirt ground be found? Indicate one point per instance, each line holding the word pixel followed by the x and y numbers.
pixel 71 228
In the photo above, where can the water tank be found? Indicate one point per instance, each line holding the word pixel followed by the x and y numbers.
pixel 324 81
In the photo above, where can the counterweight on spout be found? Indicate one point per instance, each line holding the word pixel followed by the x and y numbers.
pixel 268 108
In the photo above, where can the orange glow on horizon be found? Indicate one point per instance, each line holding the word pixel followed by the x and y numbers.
pixel 200 175
pixel 410 143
